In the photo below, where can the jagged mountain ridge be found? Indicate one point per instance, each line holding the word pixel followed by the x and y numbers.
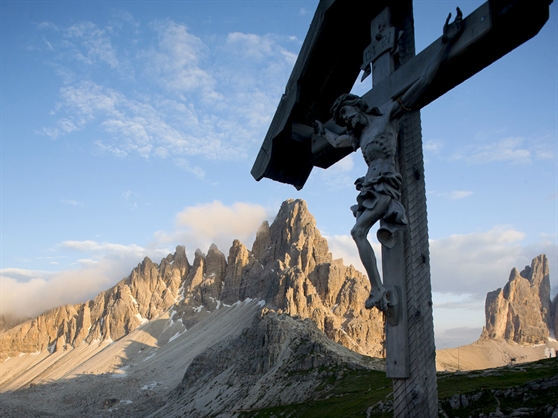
pixel 289 267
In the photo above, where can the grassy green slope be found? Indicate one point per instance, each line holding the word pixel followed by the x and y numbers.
pixel 531 386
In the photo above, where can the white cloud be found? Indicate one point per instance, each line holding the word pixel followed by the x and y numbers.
pixel 175 62
pixel 91 44
pixel 47 290
pixel 508 149
pixel 343 246
pixel 24 274
pixel 456 337
pixel 478 262
pixel 433 146
pixel 453 195
pixel 71 202
pixel 63 126
pixel 339 175
pixel 200 226
pixel 464 268
pixel 251 45
pixel 47 26
pixel 185 165
pixel 27 293
pixel 452 301
pixel 115 251
pixel 213 100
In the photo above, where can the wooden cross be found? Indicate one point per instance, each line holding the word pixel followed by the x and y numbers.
pixel 344 39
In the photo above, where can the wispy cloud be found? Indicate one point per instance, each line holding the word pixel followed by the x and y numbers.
pixel 45 290
pixel 455 337
pixel 206 100
pixel 175 61
pixel 478 262
pixel 433 146
pixel 340 175
pixel 464 267
pixel 453 195
pixel 71 202
pixel 89 44
pixel 510 149
pixel 112 249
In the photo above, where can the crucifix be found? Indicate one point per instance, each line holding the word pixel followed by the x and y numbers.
pixel 348 37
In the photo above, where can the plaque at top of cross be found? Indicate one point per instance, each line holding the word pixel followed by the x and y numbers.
pixel 385 124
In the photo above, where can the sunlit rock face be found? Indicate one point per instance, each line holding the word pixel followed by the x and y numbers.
pixel 522 310
pixel 289 267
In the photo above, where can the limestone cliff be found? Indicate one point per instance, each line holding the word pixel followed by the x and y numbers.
pixel 278 360
pixel 521 311
pixel 289 267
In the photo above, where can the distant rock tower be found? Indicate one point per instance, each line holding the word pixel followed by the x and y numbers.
pixel 522 310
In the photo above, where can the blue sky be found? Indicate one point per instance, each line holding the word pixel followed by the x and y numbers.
pixel 130 127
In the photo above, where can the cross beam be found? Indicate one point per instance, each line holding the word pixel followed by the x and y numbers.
pixel 290 151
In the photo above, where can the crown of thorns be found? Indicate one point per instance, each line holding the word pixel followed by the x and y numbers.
pixel 351 100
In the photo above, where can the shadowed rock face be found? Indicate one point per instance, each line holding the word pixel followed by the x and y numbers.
pixel 289 267
pixel 278 360
pixel 521 311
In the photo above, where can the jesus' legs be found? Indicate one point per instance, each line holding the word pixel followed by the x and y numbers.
pixel 378 295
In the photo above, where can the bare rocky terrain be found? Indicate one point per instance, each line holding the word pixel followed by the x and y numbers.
pixel 128 377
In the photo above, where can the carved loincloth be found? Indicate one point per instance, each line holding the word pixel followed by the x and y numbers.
pixel 394 218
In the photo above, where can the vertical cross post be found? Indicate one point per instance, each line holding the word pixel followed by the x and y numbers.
pixel 410 348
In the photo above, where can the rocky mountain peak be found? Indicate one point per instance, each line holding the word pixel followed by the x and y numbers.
pixel 521 311
pixel 294 238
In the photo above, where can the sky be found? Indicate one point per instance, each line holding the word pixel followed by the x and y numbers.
pixel 130 127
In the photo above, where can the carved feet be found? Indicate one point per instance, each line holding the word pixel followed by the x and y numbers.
pixel 387 302
pixel 379 299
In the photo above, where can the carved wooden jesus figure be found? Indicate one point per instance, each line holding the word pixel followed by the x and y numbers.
pixel 375 131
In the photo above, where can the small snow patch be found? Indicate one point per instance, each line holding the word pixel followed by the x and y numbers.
pixel 142 319
pixel 134 300
pixel 175 336
pixel 149 357
pixel 149 386
pixel 198 309
pixel 261 303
